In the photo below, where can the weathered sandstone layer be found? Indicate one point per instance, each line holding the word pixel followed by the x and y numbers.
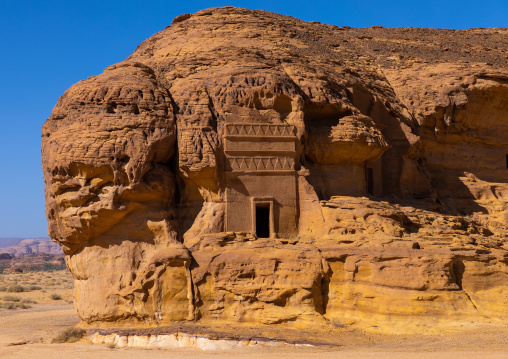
pixel 246 167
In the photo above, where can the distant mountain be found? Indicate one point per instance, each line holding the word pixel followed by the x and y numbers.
pixel 6 242
pixel 31 246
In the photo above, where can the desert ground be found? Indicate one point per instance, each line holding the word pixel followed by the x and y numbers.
pixel 27 333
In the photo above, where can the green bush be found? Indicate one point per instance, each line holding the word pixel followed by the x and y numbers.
pixel 69 335
pixel 11 298
pixel 55 296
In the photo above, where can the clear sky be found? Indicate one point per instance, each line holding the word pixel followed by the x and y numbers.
pixel 46 46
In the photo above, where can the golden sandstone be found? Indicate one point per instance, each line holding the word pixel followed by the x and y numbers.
pixel 247 167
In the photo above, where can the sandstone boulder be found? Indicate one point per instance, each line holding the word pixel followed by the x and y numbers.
pixel 243 166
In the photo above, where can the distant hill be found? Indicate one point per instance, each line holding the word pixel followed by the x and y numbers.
pixel 6 242
pixel 33 262
pixel 24 247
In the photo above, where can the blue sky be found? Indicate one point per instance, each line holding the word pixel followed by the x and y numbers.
pixel 46 46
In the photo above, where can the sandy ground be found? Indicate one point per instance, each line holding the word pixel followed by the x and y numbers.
pixel 38 325
pixel 27 333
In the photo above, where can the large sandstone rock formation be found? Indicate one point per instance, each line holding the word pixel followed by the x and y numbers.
pixel 244 166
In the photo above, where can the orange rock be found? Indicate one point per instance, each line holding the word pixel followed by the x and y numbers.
pixel 244 166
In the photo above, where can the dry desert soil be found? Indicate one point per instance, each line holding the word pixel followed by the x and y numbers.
pixel 27 333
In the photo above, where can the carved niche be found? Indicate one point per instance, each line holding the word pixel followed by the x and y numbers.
pixel 261 180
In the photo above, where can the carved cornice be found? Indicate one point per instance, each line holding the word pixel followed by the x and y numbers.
pixel 259 130
pixel 260 164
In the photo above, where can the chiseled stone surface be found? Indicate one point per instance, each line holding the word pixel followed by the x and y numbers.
pixel 243 166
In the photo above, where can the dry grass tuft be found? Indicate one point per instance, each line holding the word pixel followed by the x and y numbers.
pixel 37 287
pixel 13 305
pixel 11 298
pixel 32 287
pixel 28 300
pixel 15 288
pixel 69 335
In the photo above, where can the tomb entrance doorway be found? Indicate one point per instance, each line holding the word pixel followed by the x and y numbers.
pixel 263 220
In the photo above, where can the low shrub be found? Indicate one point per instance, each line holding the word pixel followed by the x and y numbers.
pixel 11 298
pixel 48 267
pixel 15 288
pixel 32 287
pixel 13 305
pixel 3 289
pixel 28 300
pixel 55 296
pixel 69 335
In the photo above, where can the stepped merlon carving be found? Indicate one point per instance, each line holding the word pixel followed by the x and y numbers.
pixel 259 130
pixel 260 164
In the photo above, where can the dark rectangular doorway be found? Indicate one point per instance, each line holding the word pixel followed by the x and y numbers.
pixel 263 220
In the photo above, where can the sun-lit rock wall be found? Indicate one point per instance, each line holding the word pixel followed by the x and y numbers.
pixel 387 197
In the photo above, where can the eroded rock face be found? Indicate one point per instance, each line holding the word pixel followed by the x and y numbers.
pixel 243 166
